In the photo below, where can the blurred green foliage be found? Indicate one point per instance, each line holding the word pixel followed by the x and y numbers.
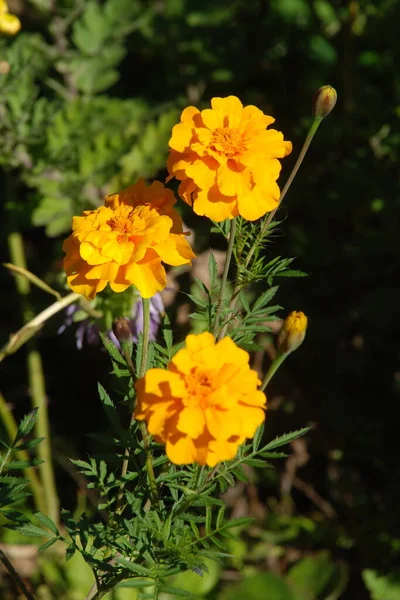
pixel 87 102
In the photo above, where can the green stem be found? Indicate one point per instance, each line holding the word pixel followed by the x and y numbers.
pixel 126 349
pixel 146 335
pixel 36 384
pixel 18 580
pixel 11 428
pixel 276 363
pixel 143 428
pixel 224 280
pixel 267 221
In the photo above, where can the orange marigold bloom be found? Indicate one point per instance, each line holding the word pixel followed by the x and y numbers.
pixel 205 404
pixel 226 160
pixel 124 242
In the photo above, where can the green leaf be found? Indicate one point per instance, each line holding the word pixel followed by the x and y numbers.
pixel 26 425
pixel 31 530
pixel 258 437
pixel 47 544
pixel 47 522
pixel 264 586
pixel 132 566
pixel 310 577
pixel 382 587
pixel 286 438
pixel 175 592
pixel 112 350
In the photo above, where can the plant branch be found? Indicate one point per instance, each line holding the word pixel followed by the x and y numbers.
pixel 18 580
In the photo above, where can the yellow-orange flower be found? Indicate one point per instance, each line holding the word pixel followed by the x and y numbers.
pixel 226 160
pixel 124 242
pixel 9 24
pixel 205 404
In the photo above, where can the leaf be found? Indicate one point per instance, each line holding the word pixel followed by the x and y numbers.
pixel 311 575
pixel 26 425
pixel 47 522
pixel 132 566
pixel 31 530
pixel 286 438
pixel 258 437
pixel 175 592
pixel 212 270
pixel 265 298
pixel 47 544
pixel 382 587
pixel 264 586
pixel 112 350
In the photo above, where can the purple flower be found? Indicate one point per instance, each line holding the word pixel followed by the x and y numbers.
pixel 88 331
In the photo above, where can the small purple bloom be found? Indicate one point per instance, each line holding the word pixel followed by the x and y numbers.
pixel 88 332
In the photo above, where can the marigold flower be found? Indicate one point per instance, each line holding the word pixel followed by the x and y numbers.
pixel 226 160
pixel 9 24
pixel 124 242
pixel 205 404
pixel 293 332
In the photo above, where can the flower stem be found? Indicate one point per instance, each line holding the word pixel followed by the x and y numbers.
pixel 225 276
pixel 264 228
pixel 11 428
pixel 276 363
pixel 36 384
pixel 143 428
pixel 146 333
pixel 267 221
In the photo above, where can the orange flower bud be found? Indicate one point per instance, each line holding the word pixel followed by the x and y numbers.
pixel 324 101
pixel 293 332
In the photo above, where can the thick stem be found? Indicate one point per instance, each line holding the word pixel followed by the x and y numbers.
pixel 19 582
pixel 224 280
pixel 11 428
pixel 36 384
pixel 146 334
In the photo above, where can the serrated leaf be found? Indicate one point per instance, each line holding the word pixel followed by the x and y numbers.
pixel 47 544
pixel 286 438
pixel 265 298
pixel 26 425
pixel 258 437
pixel 31 530
pixel 175 592
pixel 112 350
pixel 131 566
pixel 47 522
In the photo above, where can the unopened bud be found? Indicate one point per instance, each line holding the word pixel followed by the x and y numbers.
pixel 293 332
pixel 324 101
pixel 122 330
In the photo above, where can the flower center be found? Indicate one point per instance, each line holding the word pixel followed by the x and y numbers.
pixel 127 224
pixel 227 141
pixel 199 386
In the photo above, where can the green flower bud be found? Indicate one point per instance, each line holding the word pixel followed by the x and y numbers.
pixel 293 332
pixel 122 330
pixel 324 101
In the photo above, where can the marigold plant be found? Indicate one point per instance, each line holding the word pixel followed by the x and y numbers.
pixel 226 160
pixel 125 242
pixel 205 404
